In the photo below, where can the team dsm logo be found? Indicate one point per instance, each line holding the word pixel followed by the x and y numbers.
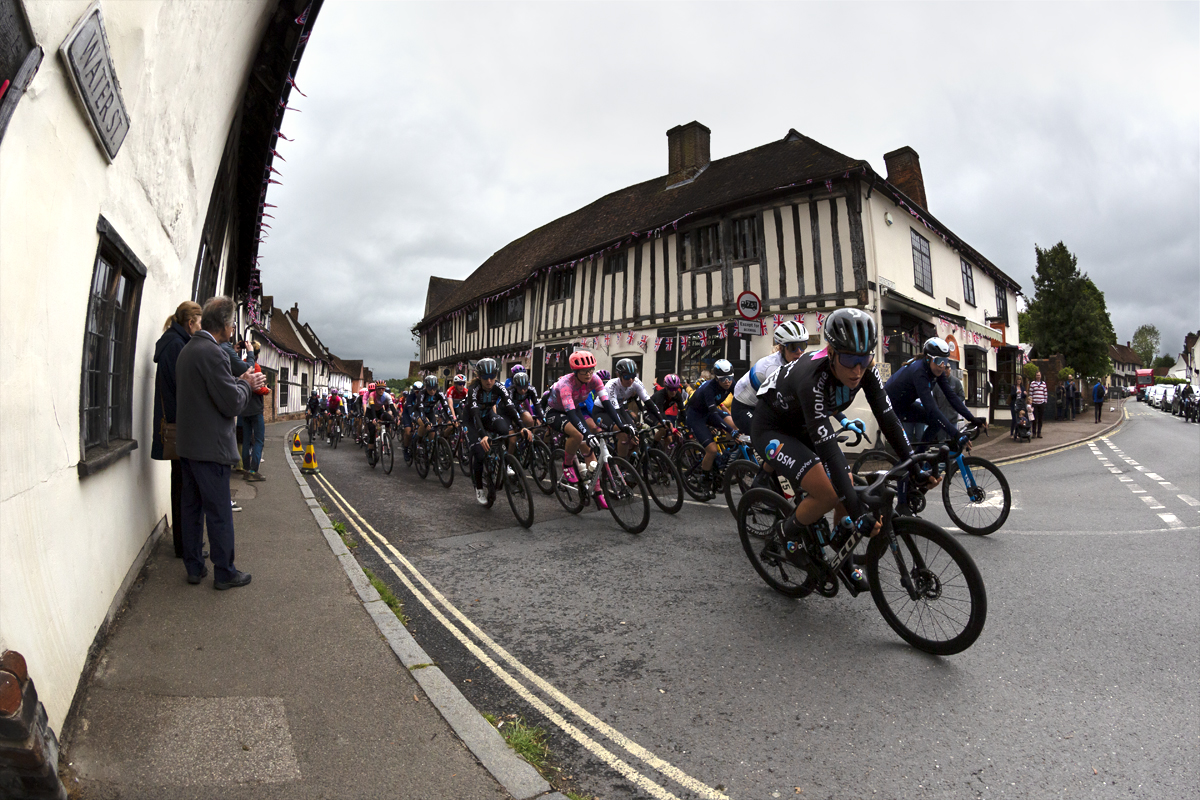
pixel 773 452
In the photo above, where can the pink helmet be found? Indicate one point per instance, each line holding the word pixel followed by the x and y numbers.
pixel 671 381
pixel 582 359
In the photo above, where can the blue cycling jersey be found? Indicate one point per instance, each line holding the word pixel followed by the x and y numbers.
pixel 708 398
pixel 913 382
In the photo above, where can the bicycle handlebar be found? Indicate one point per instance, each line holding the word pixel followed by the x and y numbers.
pixel 872 495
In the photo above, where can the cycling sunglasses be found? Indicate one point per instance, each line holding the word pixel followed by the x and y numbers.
pixel 850 361
pixel 941 361
pixel 794 346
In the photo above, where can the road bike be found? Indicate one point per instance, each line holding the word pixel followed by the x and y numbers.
pixel 624 491
pixel 535 456
pixel 975 492
pixel 501 469
pixel 733 449
pixel 334 430
pixel 924 583
pixel 382 450
pixel 658 471
pixel 433 451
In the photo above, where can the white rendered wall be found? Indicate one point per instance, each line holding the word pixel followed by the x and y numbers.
pixel 67 543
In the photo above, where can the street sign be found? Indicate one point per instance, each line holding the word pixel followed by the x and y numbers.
pixel 748 305
pixel 94 77
pixel 752 327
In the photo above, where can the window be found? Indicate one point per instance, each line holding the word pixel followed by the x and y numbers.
pixel 495 311
pixel 304 385
pixel 1007 370
pixel 968 282
pixel 106 392
pixel 976 383
pixel 615 263
pixel 446 331
pixel 702 248
pixel 283 387
pixel 515 307
pixel 562 284
pixel 431 338
pixel 745 238
pixel 1001 302
pixel 922 266
pixel 473 320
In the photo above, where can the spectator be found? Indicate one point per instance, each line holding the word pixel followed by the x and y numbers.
pixel 1060 401
pixel 209 399
pixel 253 428
pixel 1073 397
pixel 1098 394
pixel 1039 396
pixel 178 329
pixel 1017 399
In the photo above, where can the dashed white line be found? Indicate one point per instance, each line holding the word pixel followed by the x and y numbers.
pixel 1154 476
pixel 1171 520
pixel 1150 501
pixel 1191 501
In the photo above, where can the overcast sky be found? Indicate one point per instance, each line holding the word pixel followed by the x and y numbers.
pixel 433 134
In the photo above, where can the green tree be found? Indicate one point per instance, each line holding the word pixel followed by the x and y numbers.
pixel 1068 314
pixel 1163 362
pixel 1145 343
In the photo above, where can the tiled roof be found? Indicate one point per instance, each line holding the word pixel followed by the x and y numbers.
pixel 1124 354
pixel 282 335
pixel 440 291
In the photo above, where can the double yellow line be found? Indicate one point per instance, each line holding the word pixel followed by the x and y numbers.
pixel 426 596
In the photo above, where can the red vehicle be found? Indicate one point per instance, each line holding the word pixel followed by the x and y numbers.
pixel 1145 379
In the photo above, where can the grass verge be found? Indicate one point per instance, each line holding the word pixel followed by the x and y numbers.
pixel 385 594
pixel 347 539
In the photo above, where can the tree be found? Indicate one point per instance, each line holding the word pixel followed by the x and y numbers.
pixel 1067 314
pixel 1145 343
pixel 1163 362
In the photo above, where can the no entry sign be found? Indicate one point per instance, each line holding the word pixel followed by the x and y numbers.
pixel 748 305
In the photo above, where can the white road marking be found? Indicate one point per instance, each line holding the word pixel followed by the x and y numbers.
pixel 1154 476
pixel 706 505
pixel 1172 520
pixel 1191 501
pixel 1150 501
pixel 594 747
pixel 1125 480
pixel 1115 470
pixel 1136 489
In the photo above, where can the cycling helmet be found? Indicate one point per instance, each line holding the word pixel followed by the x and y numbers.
pixel 431 382
pixel 313 393
pixel 370 387
pixel 460 379
pixel 672 382
pixel 582 359
pixel 603 375
pixel 790 333
pixel 517 368
pixel 722 369
pixel 627 368
pixel 936 348
pixel 521 379
pixel 487 368
pixel 418 386
pixel 851 331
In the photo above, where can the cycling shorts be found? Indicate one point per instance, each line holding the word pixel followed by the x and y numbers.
pixel 493 425
pixel 743 415
pixel 791 456
pixel 699 424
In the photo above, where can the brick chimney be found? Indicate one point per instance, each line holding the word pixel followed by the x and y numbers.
pixel 295 312
pixel 687 152
pixel 904 172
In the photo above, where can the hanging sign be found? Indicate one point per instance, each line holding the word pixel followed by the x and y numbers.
pixel 752 327
pixel 89 63
pixel 748 305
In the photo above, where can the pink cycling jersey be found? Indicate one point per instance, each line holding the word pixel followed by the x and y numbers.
pixel 568 393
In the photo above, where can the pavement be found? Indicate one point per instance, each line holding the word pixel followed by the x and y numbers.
pixel 999 448
pixel 303 684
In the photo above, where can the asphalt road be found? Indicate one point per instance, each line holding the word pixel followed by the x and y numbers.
pixel 663 667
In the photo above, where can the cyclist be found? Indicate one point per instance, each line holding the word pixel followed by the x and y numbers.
pixel 410 403
pixel 623 389
pixel 489 410
pixel 313 408
pixel 432 405
pixel 379 407
pixel 334 408
pixel 704 409
pixel 791 428
pixel 564 415
pixel 668 397
pixel 512 373
pixel 525 398
pixel 457 393
pixel 911 395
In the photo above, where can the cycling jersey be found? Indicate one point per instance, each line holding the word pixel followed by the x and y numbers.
pixel 335 403
pixel 314 405
pixel 792 426
pixel 621 394
pixel 707 398
pixel 671 406
pixel 427 405
pixel 913 382
pixel 528 399
pixel 746 390
pixel 483 403
pixel 567 395
pixel 456 393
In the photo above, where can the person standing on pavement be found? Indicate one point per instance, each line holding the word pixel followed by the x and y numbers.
pixel 1098 394
pixel 179 328
pixel 209 400
pixel 1016 404
pixel 252 424
pixel 1039 396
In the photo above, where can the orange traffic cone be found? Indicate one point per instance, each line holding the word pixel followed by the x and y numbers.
pixel 296 446
pixel 310 460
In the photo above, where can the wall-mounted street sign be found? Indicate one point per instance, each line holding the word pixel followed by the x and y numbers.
pixel 89 63
pixel 748 305
pixel 752 327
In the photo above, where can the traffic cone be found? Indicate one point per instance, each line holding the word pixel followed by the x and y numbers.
pixel 310 460
pixel 296 446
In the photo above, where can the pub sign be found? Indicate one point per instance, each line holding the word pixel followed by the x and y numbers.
pixel 89 63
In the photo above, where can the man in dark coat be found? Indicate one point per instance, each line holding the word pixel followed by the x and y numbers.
pixel 1098 393
pixel 209 400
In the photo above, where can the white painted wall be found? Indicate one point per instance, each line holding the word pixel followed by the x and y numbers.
pixel 68 542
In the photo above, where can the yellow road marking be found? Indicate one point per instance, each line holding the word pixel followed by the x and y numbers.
pixel 672 772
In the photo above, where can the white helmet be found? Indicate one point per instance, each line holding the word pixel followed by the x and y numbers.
pixel 722 369
pixel 418 386
pixel 791 332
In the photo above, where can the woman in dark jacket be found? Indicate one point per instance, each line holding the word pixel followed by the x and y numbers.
pixel 177 330
pixel 1017 399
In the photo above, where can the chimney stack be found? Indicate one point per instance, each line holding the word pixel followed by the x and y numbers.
pixel 687 152
pixel 904 172
pixel 295 312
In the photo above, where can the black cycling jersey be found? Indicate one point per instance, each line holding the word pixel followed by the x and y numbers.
pixel 428 405
pixel 528 395
pixel 482 401
pixel 662 401
pixel 314 405
pixel 799 398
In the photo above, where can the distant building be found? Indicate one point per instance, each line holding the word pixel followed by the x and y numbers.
pixel 655 272
pixel 1125 364
pixel 295 360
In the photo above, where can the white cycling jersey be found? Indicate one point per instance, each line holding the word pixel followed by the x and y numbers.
pixel 620 395
pixel 746 390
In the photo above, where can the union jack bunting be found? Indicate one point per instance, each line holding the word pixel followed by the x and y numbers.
pixel 820 320
pixel 303 18
pixel 629 338
pixel 547 356
pixel 644 341
pixel 723 330
pixel 683 341
pixel 887 342
pixel 607 340
pixel 670 342
pixel 777 319
pixel 657 343
pixel 704 338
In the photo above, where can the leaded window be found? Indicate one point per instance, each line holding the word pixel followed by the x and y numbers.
pixel 968 274
pixel 745 238
pixel 1001 302
pixel 562 284
pixel 702 248
pixel 922 266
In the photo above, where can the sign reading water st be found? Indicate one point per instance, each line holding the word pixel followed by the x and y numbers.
pixel 89 63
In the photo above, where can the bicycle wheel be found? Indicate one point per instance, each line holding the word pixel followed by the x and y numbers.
pixel 335 436
pixel 874 461
pixel 951 606
pixel 421 458
pixel 758 512
pixel 518 491
pixel 539 466
pixel 371 459
pixel 626 495
pixel 492 466
pixel 739 477
pixel 663 480
pixel 311 425
pixel 462 453
pixel 980 509
pixel 688 457
pixel 568 494
pixel 443 462
pixel 386 454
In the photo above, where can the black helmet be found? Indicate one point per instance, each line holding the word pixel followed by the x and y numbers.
pixel 626 368
pixel 487 368
pixel 851 331
pixel 722 369
pixel 431 382
pixel 521 379
pixel 936 348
